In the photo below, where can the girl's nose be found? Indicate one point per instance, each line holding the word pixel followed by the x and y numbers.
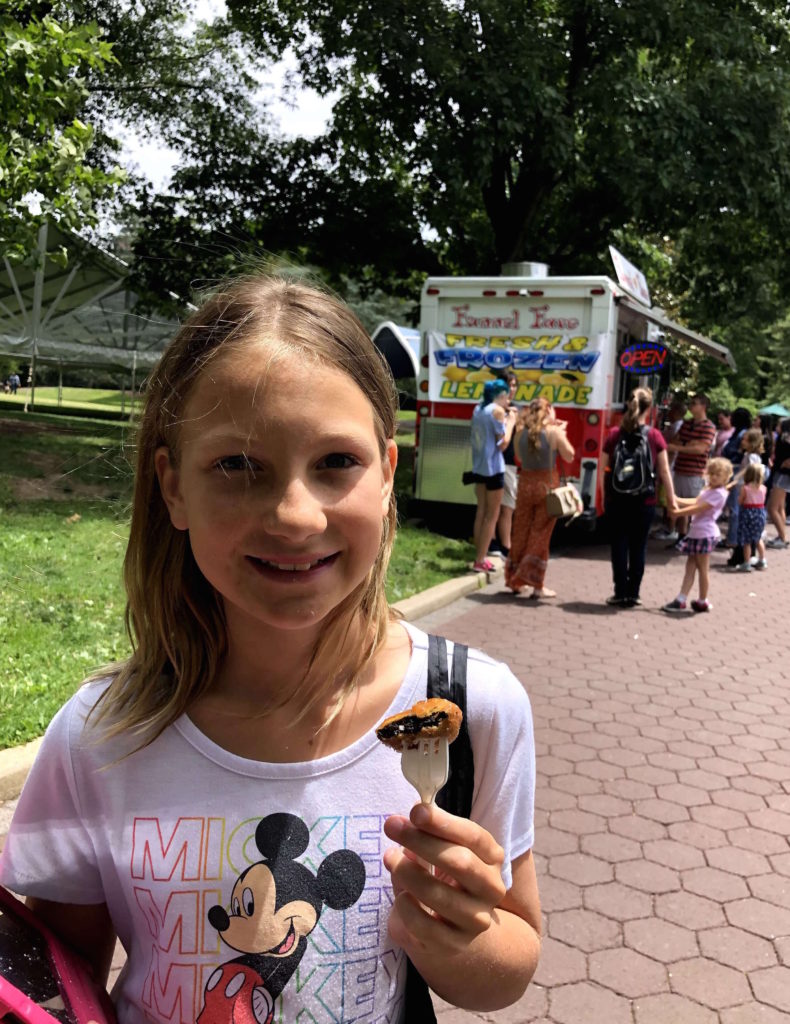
pixel 295 511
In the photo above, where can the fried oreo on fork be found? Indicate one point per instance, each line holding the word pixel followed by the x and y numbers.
pixel 428 719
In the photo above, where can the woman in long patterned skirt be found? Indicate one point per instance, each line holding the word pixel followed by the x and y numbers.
pixel 540 438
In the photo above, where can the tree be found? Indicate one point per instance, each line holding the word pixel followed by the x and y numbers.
pixel 560 120
pixel 44 146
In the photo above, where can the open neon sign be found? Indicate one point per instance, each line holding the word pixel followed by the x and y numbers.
pixel 644 357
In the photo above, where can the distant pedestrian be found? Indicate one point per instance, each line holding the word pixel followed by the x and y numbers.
pixel 751 450
pixel 492 427
pixel 504 524
pixel 14 382
pixel 675 417
pixel 703 533
pixel 540 438
pixel 692 447
pixel 630 512
pixel 751 522
pixel 780 485
pixel 724 432
pixel 741 421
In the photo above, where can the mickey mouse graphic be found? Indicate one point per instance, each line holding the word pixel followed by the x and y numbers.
pixel 275 904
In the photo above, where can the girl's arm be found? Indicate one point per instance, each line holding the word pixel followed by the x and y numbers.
pixel 691 507
pixel 559 441
pixel 510 423
pixel 742 496
pixel 86 928
pixel 665 476
pixel 478 945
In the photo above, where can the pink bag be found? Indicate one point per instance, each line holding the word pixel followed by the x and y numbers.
pixel 41 980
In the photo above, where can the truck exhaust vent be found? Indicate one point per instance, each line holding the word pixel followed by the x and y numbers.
pixel 525 269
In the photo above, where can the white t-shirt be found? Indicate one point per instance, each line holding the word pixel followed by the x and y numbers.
pixel 164 835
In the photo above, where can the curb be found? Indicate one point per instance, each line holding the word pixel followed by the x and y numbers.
pixel 15 762
pixel 14 765
pixel 433 598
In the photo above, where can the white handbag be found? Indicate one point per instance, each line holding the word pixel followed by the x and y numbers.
pixel 564 501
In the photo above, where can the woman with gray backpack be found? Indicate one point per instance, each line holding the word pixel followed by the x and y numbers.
pixel 634 454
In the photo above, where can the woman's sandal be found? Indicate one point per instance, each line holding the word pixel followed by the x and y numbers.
pixel 536 594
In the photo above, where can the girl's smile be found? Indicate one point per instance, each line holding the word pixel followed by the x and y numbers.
pixel 280 481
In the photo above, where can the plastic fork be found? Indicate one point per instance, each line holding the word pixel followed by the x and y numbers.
pixel 426 766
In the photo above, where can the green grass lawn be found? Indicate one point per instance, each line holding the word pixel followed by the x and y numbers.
pixel 77 398
pixel 65 486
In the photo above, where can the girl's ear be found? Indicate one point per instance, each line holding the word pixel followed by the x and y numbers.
pixel 169 485
pixel 389 465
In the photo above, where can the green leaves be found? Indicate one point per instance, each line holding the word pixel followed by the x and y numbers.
pixel 44 148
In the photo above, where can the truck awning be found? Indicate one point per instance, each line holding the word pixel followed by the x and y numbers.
pixel 713 348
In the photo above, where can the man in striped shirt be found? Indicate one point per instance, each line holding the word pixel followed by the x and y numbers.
pixel 691 448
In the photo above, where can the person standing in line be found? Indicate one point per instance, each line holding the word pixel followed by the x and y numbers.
pixel 676 415
pixel 780 485
pixel 492 428
pixel 504 524
pixel 751 521
pixel 702 535
pixel 724 432
pixel 540 439
pixel 741 421
pixel 630 515
pixel 691 448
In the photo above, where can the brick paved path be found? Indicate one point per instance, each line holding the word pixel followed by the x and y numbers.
pixel 663 800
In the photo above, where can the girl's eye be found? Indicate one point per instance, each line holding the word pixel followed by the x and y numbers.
pixel 338 460
pixel 234 464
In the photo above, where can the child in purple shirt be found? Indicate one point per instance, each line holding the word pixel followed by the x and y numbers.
pixel 703 535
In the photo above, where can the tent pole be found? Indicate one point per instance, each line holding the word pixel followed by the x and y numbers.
pixel 60 384
pixel 123 396
pixel 134 383
pixel 38 288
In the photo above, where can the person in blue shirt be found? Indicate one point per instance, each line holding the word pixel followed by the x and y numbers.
pixel 492 428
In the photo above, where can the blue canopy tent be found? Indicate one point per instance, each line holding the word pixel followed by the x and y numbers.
pixel 777 409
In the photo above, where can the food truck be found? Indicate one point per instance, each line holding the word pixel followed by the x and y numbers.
pixel 583 343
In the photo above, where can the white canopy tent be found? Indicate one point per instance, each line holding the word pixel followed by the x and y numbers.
pixel 83 314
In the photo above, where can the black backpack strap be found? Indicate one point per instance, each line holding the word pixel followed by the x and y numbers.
pixel 455 797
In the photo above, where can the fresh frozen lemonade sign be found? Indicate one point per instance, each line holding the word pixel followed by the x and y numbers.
pixel 554 361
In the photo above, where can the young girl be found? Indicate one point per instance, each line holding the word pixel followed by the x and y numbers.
pixel 751 521
pixel 702 536
pixel 751 448
pixel 212 798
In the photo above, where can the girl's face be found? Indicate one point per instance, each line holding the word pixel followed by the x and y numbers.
pixel 717 479
pixel 281 486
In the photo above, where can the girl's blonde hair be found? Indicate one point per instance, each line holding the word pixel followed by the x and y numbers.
pixel 754 474
pixel 535 416
pixel 753 441
pixel 639 401
pixel 719 468
pixel 174 617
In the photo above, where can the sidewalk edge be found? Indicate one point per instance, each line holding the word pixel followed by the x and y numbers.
pixel 15 762
pixel 14 765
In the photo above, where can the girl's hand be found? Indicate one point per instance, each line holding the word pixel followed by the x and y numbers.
pixel 446 911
